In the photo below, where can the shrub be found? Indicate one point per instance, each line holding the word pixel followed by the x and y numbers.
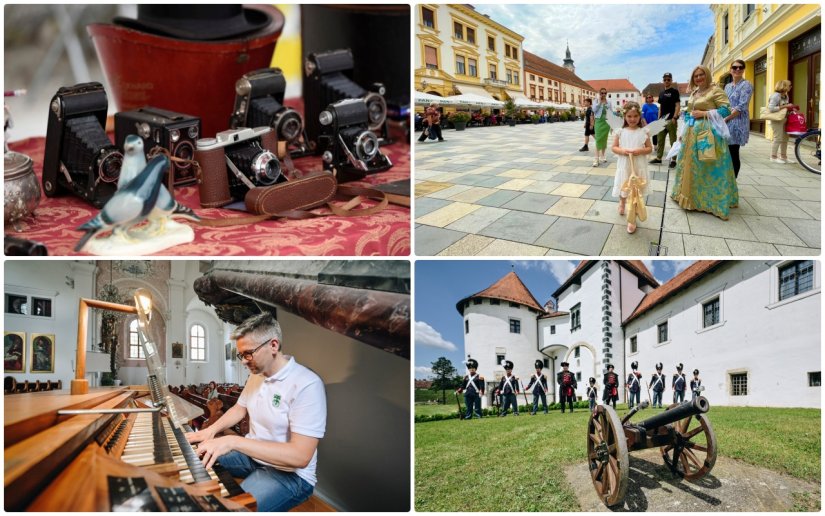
pixel 460 116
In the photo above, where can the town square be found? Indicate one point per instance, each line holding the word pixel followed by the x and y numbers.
pixel 509 167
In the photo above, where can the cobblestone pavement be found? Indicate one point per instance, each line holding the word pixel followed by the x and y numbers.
pixel 526 190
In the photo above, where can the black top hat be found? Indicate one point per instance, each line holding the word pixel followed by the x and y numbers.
pixel 610 366
pixel 634 365
pixel 508 365
pixel 679 367
pixel 539 364
pixel 565 364
pixel 696 371
pixel 472 363
pixel 659 366
pixel 197 22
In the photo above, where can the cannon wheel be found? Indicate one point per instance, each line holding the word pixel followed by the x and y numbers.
pixel 607 455
pixel 698 454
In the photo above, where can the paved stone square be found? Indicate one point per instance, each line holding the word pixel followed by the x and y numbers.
pixel 526 190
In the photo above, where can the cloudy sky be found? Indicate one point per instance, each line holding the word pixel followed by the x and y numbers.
pixel 612 41
pixel 439 285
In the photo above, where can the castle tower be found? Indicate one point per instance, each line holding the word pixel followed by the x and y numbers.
pixel 568 61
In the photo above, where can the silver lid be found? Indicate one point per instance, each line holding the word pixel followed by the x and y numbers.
pixel 16 164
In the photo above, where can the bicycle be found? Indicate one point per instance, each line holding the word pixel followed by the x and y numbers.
pixel 807 150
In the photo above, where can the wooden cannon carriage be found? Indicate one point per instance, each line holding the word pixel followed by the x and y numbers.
pixel 682 432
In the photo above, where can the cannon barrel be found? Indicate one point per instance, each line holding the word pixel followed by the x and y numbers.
pixel 685 409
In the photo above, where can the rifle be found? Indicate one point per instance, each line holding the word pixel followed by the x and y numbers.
pixel 524 392
pixel 460 412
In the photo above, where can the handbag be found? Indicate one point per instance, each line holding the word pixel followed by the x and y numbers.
pixel 773 116
pixel 706 144
pixel 795 123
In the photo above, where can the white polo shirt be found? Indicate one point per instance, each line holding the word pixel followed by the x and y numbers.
pixel 291 400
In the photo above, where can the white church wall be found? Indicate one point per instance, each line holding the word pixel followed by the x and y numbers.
pixel 775 343
pixel 49 280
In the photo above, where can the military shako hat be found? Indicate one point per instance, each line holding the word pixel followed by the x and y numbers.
pixel 539 364
pixel 565 364
pixel 696 371
pixel 679 367
pixel 508 365
pixel 472 363
pixel 610 367
pixel 659 366
pixel 634 365
pixel 592 380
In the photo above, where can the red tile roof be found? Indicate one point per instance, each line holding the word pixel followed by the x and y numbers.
pixel 541 66
pixel 674 286
pixel 508 288
pixel 612 85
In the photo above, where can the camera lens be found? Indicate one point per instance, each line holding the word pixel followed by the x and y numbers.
pixel 366 145
pixel 109 165
pixel 377 108
pixel 185 151
pixel 325 118
pixel 267 168
pixel 193 132
pixel 288 125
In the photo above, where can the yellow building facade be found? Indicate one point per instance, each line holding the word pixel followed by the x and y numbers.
pixel 459 50
pixel 777 42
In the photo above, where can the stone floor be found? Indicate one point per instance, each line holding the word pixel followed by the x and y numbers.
pixel 527 191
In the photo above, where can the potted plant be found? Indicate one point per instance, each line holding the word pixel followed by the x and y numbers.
pixel 564 116
pixel 510 112
pixel 459 119
pixel 106 379
pixel 535 119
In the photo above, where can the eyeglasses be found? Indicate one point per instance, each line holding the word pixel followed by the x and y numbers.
pixel 737 67
pixel 247 355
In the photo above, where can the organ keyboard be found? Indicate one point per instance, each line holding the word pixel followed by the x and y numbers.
pixel 104 462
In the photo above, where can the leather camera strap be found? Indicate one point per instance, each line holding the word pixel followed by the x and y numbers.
pixel 357 196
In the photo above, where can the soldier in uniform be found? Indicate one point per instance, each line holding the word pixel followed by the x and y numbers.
pixel 679 385
pixel 473 387
pixel 611 386
pixel 592 392
pixel 508 388
pixel 567 383
pixel 657 383
pixel 695 384
pixel 540 389
pixel 634 387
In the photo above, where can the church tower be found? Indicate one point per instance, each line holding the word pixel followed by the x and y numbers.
pixel 568 61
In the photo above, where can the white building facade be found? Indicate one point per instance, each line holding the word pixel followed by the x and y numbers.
pixel 760 347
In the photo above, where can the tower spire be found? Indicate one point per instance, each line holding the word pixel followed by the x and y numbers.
pixel 568 59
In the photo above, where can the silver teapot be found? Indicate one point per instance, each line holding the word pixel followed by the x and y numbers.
pixel 21 188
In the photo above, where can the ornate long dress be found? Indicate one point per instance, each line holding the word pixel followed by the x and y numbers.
pixel 704 170
pixel 602 128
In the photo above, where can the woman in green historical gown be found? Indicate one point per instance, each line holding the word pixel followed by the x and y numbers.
pixel 599 118
pixel 704 170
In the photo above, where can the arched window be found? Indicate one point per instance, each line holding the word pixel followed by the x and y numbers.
pixel 197 343
pixel 135 349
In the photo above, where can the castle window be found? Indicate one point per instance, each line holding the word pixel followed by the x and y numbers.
pixel 577 353
pixel 662 332
pixel 477 301
pixel 495 302
pixel 710 312
pixel 500 359
pixel 514 305
pixel 815 379
pixel 515 326
pixel 575 318
pixel 466 326
pixel 579 376
pixel 796 278
pixel 546 363
pixel 197 343
pixel 739 384
pixel 553 329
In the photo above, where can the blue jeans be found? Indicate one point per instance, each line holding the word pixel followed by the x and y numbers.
pixel 273 489
pixel 657 395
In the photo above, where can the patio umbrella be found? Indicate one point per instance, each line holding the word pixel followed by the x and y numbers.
pixel 471 99
pixel 424 99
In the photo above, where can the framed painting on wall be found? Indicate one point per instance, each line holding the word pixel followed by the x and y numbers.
pixel 42 353
pixel 14 352
pixel 177 350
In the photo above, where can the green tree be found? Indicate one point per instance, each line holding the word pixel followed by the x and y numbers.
pixel 443 371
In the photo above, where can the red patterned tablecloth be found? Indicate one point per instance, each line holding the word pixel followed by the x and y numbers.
pixel 384 234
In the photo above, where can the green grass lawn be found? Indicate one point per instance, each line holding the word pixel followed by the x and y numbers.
pixel 429 410
pixel 516 463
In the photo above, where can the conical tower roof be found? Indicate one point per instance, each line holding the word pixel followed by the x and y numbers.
pixel 509 288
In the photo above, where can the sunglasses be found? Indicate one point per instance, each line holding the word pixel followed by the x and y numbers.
pixel 737 67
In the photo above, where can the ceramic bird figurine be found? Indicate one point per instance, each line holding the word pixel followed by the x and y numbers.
pixel 134 160
pixel 167 207
pixel 131 204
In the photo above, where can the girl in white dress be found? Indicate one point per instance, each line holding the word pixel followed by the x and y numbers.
pixel 632 141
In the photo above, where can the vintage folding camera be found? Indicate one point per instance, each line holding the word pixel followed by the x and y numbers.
pixel 351 149
pixel 259 101
pixel 235 161
pixel 175 132
pixel 328 80
pixel 79 157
